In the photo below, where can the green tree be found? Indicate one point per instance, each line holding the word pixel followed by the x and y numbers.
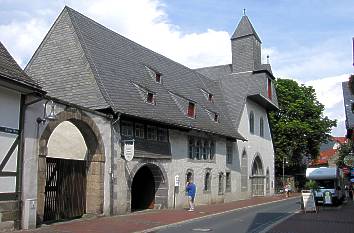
pixel 299 127
pixel 344 150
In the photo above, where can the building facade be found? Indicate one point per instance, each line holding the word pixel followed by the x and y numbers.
pixel 15 86
pixel 120 99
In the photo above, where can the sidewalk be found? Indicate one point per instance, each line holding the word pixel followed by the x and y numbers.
pixel 141 221
pixel 328 220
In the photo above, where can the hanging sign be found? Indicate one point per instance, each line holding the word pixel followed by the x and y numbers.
pixel 128 150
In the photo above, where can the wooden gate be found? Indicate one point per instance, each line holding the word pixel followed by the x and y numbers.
pixel 65 189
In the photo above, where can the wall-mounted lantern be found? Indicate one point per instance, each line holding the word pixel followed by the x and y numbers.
pixel 47 117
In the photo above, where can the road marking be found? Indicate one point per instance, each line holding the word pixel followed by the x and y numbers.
pixel 202 229
pixel 208 216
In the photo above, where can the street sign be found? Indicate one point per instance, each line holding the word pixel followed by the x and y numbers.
pixel 176 180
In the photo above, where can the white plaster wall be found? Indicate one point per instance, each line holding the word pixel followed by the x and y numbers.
pixel 256 143
pixel 67 142
pixel 9 117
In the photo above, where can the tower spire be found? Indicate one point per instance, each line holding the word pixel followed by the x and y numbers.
pixel 244 11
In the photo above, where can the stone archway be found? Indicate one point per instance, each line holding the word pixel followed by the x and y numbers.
pixel 257 177
pixel 155 186
pixel 95 161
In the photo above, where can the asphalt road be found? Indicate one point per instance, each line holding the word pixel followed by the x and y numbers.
pixel 249 220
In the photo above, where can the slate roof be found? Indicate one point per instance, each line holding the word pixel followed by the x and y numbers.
pixel 83 62
pixel 12 72
pixel 244 28
pixel 348 102
pixel 237 87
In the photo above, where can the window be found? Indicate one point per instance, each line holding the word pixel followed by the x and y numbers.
pixel 162 134
pixel 207 182
pixel 212 150
pixel 269 89
pixel 191 110
pixel 210 97
pixel 216 117
pixel 244 171
pixel 151 133
pixel 229 152
pixel 206 150
pixel 139 130
pixel 221 183
pixel 251 122
pixel 198 150
pixel 150 98
pixel 228 182
pixel 191 148
pixel 261 127
pixel 127 129
pixel 158 78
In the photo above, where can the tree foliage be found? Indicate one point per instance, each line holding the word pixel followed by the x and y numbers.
pixel 344 150
pixel 299 127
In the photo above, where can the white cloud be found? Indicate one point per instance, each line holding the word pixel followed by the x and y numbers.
pixel 146 22
pixel 22 38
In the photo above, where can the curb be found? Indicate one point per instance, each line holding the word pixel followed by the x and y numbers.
pixel 208 216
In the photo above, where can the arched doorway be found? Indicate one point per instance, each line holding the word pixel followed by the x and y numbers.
pixel 70 184
pixel 148 188
pixel 143 190
pixel 257 177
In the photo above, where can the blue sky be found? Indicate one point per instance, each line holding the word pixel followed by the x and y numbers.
pixel 307 40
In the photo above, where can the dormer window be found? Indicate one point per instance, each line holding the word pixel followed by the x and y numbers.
pixel 210 97
pixel 191 110
pixel 150 98
pixel 158 77
pixel 207 95
pixel 216 117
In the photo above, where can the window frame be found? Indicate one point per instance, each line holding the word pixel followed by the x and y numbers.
pixel 251 122
pixel 261 127
pixel 141 128
pixel 229 152
pixel 148 134
pixel 228 181
pixel 191 110
pixel 124 125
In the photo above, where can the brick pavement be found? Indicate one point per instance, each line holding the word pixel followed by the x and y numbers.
pixel 140 221
pixel 328 220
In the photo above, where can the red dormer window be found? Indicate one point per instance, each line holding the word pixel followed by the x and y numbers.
pixel 150 98
pixel 191 110
pixel 269 89
pixel 158 78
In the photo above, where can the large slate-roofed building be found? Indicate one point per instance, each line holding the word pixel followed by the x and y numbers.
pixel 149 123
